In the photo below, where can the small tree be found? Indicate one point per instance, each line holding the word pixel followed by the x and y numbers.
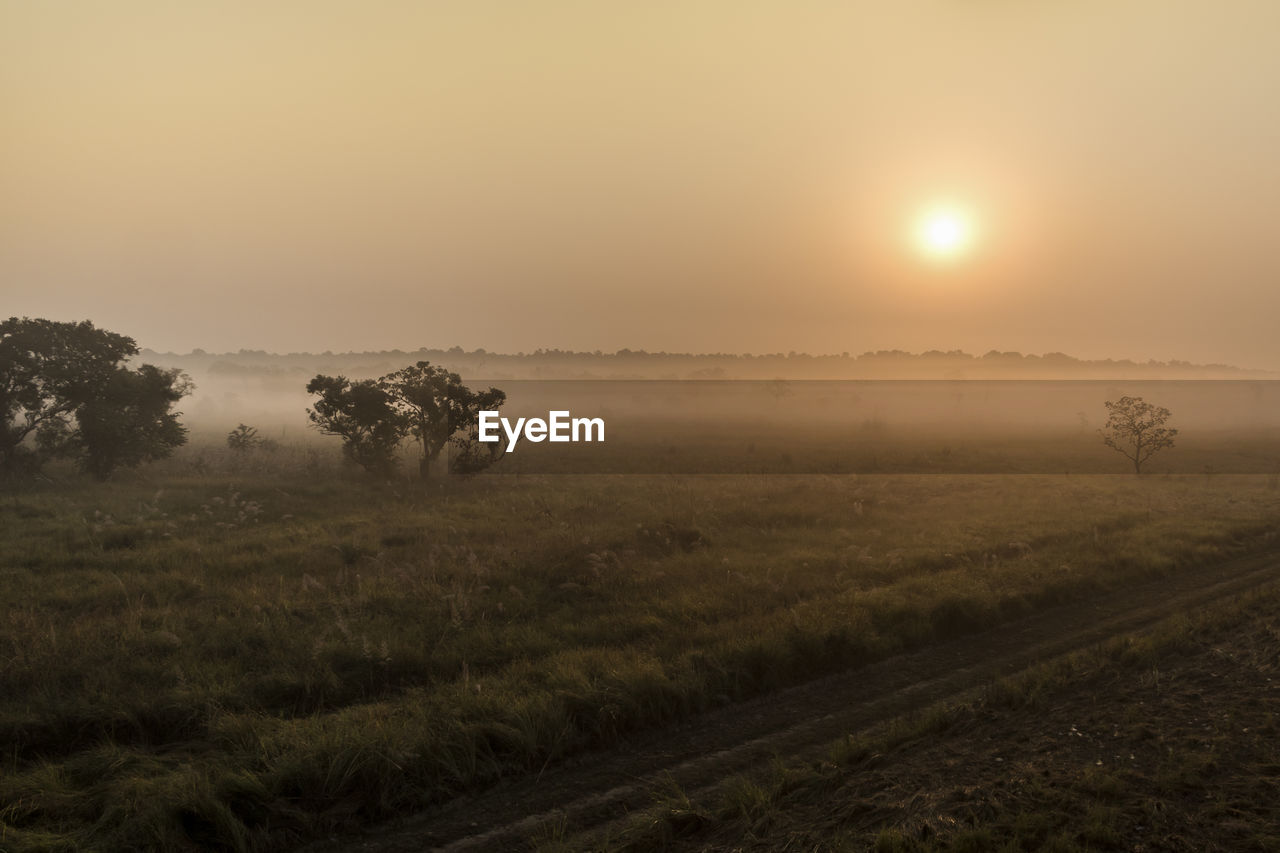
pixel 438 408
pixel 364 415
pixel 243 438
pixel 1136 429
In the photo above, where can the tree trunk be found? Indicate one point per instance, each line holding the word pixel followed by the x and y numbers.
pixel 424 468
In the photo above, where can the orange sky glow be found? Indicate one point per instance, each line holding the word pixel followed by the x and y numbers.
pixel 689 177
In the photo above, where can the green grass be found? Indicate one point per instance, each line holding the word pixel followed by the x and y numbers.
pixel 215 652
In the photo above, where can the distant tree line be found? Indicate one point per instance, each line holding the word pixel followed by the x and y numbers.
pixel 283 369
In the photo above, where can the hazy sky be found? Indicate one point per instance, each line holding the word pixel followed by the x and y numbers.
pixel 692 176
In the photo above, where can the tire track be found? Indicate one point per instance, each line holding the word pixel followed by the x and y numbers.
pixel 594 790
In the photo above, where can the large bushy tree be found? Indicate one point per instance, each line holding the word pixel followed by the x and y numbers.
pixel 428 403
pixel 65 389
pixel 364 415
pixel 129 420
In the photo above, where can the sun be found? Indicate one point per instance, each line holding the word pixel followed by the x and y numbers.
pixel 944 232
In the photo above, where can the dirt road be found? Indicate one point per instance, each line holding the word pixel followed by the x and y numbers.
pixel 596 789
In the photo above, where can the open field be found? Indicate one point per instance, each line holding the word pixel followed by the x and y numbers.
pixel 254 654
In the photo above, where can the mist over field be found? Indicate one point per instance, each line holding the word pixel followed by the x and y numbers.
pixel 235 384
pixel 796 413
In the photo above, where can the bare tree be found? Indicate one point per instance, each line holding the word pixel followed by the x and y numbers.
pixel 1136 429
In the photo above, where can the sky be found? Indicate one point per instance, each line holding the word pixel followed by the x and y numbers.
pixel 720 176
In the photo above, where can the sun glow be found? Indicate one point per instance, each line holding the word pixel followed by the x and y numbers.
pixel 944 232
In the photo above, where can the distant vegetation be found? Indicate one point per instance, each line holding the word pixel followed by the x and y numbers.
pixel 284 370
pixel 243 438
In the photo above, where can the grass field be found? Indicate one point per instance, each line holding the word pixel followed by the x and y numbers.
pixel 246 654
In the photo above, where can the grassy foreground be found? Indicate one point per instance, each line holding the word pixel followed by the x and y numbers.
pixel 248 656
